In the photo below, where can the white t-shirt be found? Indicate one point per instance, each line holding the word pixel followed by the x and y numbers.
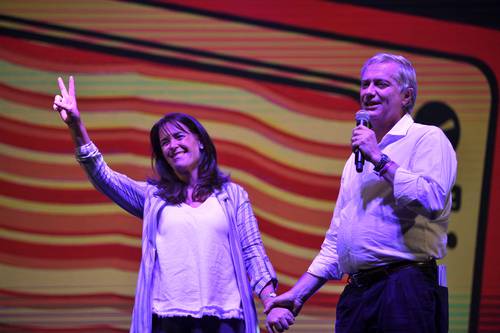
pixel 194 274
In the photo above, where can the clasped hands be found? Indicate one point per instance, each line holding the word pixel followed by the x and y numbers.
pixel 281 312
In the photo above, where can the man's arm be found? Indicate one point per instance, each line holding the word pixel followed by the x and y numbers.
pixel 295 298
pixel 425 186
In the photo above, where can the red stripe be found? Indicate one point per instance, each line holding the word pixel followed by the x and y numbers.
pixel 292 212
pixel 91 196
pixel 69 252
pixel 25 52
pixel 233 154
pixel 278 174
pixel 90 224
pixel 68 264
pixel 290 236
pixel 318 104
pixel 61 172
pixel 17 298
pixel 11 328
pixel 55 58
pixel 162 107
pixel 72 196
pixel 358 21
pixel 50 195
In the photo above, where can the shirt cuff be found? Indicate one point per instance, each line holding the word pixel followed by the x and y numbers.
pixel 86 151
pixel 328 272
pixel 264 282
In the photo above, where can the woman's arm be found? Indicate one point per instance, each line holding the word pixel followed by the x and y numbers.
pixel 124 191
pixel 257 263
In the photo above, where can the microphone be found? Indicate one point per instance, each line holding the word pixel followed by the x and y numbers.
pixel 362 118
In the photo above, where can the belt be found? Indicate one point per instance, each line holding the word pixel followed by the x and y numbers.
pixel 365 278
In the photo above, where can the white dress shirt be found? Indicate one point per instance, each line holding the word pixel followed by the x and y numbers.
pixel 375 222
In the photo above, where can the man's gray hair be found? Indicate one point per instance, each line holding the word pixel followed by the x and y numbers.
pixel 406 76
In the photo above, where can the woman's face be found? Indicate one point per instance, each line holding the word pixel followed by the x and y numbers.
pixel 181 149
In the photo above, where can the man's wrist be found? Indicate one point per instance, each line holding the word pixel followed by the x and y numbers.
pixel 384 159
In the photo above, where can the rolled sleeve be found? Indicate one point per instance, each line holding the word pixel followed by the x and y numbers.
pixel 325 264
pixel 425 187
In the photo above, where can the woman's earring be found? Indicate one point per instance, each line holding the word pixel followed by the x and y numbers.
pixel 201 147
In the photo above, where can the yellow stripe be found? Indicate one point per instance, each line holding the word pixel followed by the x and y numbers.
pixel 68 159
pixel 290 249
pixel 300 226
pixel 69 240
pixel 67 281
pixel 45 183
pixel 182 91
pixel 229 132
pixel 77 316
pixel 98 310
pixel 279 194
pixel 238 175
pixel 59 208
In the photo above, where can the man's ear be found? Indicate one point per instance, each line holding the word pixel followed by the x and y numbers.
pixel 407 96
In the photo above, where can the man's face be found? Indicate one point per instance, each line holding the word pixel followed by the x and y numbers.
pixel 380 95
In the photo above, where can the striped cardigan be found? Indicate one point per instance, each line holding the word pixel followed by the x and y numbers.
pixel 251 264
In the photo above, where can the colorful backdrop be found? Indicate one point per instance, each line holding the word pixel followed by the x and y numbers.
pixel 276 85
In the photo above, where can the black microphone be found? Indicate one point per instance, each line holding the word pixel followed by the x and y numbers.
pixel 362 118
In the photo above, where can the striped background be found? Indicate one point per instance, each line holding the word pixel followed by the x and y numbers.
pixel 277 99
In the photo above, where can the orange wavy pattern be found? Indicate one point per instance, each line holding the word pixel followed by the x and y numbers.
pixel 278 102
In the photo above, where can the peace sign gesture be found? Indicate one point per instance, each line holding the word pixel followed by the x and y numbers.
pixel 65 103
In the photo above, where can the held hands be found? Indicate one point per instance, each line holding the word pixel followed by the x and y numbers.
pixel 279 320
pixel 365 140
pixel 65 103
pixel 281 311
pixel 286 300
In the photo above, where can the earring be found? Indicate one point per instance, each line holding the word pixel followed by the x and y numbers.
pixel 201 147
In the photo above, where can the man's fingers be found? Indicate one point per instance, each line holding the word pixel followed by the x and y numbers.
pixel 278 326
pixel 71 86
pixel 284 324
pixel 269 306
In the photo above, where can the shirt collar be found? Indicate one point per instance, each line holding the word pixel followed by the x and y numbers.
pixel 400 129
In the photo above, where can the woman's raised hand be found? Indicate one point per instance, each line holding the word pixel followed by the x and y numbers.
pixel 65 103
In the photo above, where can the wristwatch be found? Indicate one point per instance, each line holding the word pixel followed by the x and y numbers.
pixel 384 159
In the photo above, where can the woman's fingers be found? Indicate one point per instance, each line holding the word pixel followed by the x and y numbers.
pixel 61 104
pixel 62 87
pixel 72 86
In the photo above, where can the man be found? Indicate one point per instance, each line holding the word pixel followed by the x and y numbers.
pixel 390 220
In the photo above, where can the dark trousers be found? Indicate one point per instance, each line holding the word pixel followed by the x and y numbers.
pixel 407 300
pixel 206 324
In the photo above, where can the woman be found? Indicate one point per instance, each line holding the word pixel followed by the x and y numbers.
pixel 200 240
